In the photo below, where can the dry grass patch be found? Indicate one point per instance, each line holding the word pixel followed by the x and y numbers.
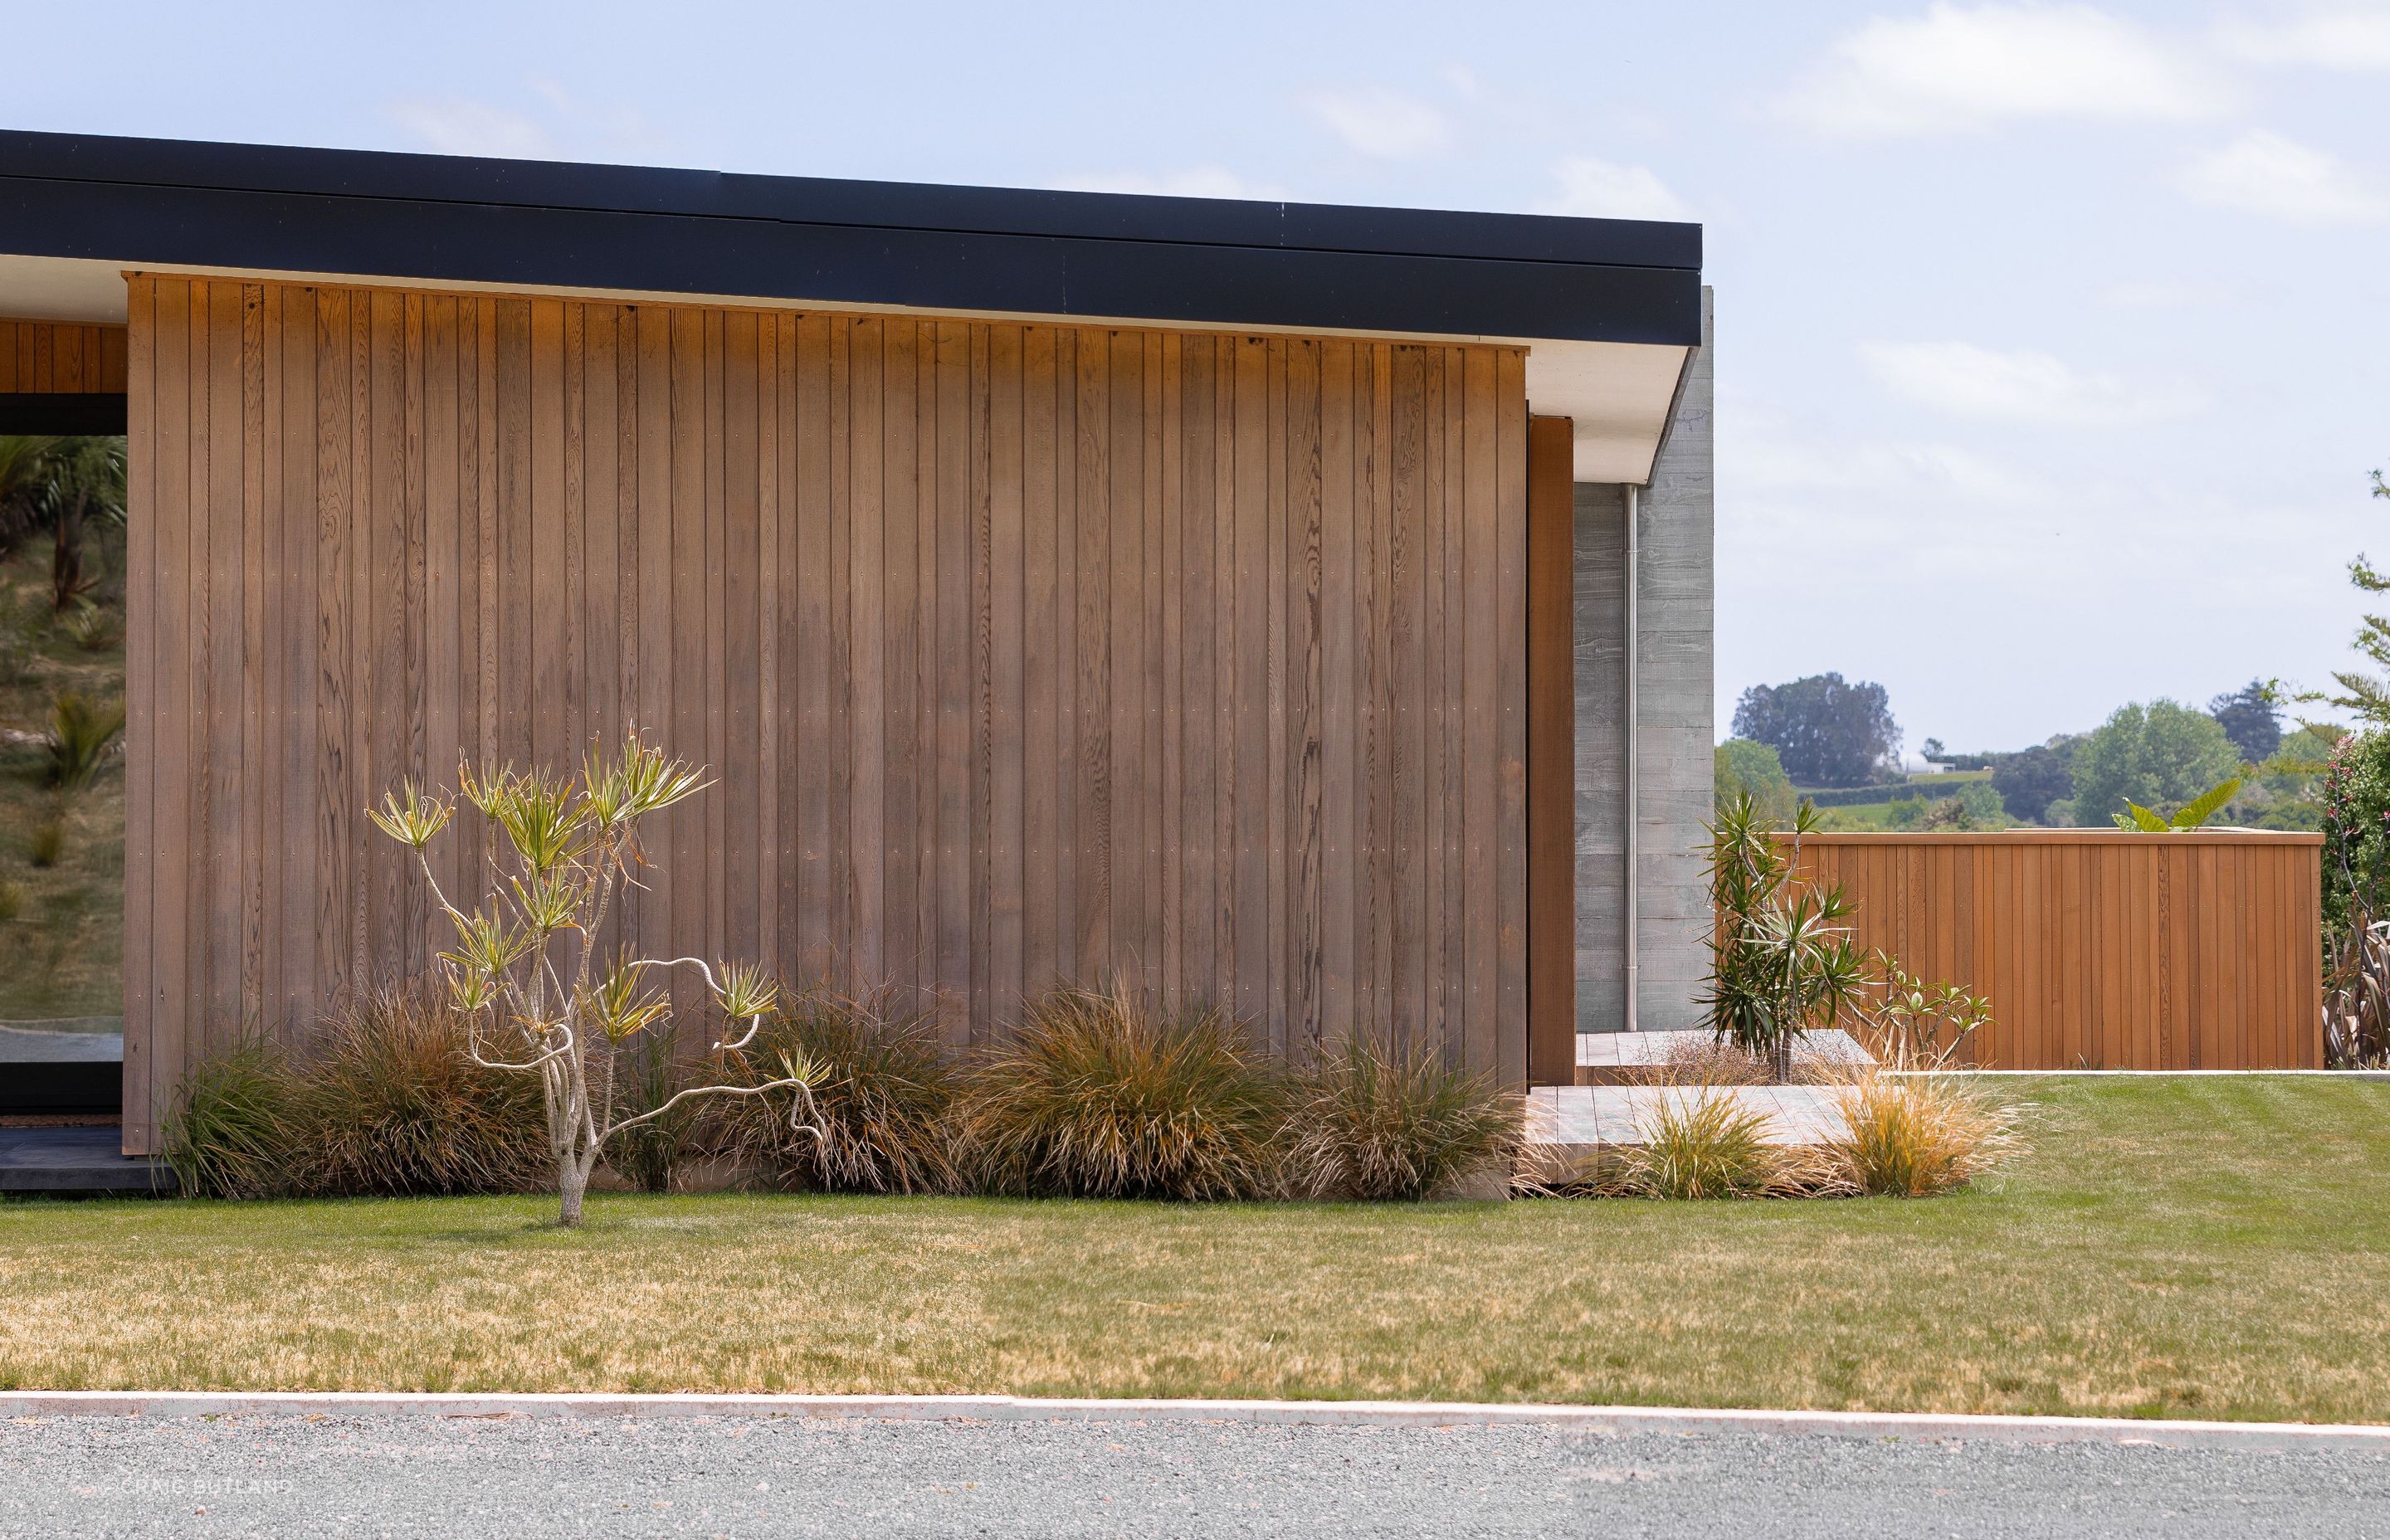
pixel 1919 1135
pixel 2182 1247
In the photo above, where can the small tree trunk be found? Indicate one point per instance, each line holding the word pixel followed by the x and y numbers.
pixel 571 1181
pixel 1780 1061
pixel 65 558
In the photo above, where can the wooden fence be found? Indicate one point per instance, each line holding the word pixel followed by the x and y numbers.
pixel 2104 950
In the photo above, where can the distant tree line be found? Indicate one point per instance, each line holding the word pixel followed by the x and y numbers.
pixel 1823 732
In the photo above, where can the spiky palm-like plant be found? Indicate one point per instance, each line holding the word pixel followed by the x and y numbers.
pixel 87 482
pixel 2192 815
pixel 525 972
pixel 1783 961
pixel 82 733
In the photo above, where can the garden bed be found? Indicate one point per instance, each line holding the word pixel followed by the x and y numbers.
pixel 2204 1247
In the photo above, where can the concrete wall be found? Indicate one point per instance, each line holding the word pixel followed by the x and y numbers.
pixel 1674 661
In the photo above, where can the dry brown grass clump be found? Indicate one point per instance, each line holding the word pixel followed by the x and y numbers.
pixel 1373 1126
pixel 879 1116
pixel 1718 1062
pixel 1914 1136
pixel 1700 1062
pixel 393 1106
pixel 390 1106
pixel 1101 1094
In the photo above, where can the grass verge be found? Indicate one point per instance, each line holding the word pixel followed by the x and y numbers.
pixel 2183 1247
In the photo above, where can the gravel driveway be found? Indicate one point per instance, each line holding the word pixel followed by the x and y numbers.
pixel 521 1477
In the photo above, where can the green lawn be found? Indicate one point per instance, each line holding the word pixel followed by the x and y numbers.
pixel 2203 1248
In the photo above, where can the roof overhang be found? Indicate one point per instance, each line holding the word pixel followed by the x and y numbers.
pixel 1609 310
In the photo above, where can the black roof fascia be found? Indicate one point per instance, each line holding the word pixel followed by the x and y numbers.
pixel 535 224
pixel 62 412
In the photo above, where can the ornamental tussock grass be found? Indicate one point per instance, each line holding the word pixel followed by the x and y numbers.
pixel 231 1129
pixel 879 1118
pixel 1703 1143
pixel 393 1106
pixel 1101 1094
pixel 1915 1135
pixel 647 1072
pixel 1376 1126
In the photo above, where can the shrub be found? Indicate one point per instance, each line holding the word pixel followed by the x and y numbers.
pixel 1970 805
pixel 2356 831
pixel 1915 1135
pixel 1920 1024
pixel 1370 1125
pixel 394 1107
pixel 1704 1143
pixel 82 733
pixel 12 899
pixel 1742 768
pixel 648 1072
pixel 2357 998
pixel 47 844
pixel 235 1125
pixel 2160 755
pixel 1101 1095
pixel 2030 780
pixel 1782 961
pixel 1695 1060
pixel 880 1109
pixel 91 628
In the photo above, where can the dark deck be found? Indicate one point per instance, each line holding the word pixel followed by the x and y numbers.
pixel 86 1160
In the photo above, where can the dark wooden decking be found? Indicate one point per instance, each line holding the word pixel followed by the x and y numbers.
pixel 85 1160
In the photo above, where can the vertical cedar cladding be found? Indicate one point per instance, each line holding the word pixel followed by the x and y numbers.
pixel 60 357
pixel 1015 652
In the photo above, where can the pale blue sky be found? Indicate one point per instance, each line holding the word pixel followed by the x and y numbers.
pixel 2054 341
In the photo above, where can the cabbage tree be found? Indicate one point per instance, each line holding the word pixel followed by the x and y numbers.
pixel 525 971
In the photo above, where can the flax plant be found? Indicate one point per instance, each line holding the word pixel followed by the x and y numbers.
pixel 525 972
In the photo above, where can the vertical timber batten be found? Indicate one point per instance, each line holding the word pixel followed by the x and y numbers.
pixel 1017 653
pixel 1551 754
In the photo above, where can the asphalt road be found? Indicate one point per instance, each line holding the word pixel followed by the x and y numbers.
pixel 521 1477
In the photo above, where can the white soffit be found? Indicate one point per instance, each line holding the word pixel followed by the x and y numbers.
pixel 61 289
pixel 1618 395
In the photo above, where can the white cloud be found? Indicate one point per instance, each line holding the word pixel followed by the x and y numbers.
pixel 1601 189
pixel 1188 182
pixel 1963 68
pixel 2343 39
pixel 1382 122
pixel 456 126
pixel 1968 381
pixel 2262 172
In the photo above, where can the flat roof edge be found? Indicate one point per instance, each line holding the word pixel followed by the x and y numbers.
pixel 208 165
pixel 431 242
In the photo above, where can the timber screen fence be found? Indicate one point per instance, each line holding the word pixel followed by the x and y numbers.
pixel 2100 949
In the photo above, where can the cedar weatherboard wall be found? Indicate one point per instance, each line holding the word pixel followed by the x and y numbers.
pixel 2099 949
pixel 1015 650
pixel 61 358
